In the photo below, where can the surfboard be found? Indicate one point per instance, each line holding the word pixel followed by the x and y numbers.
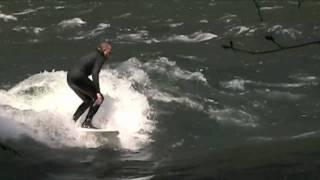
pixel 99 131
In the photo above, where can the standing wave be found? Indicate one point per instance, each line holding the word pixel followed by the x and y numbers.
pixel 42 105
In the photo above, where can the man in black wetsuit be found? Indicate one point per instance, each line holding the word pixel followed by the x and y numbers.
pixel 87 90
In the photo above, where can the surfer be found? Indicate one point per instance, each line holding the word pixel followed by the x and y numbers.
pixel 88 90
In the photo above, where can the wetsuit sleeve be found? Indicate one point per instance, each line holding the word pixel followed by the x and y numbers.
pixel 95 72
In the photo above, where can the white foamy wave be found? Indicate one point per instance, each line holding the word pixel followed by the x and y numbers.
pixel 233 117
pixel 42 106
pixel 174 25
pixel 46 127
pixel 280 95
pixel 305 78
pixel 132 69
pixel 28 11
pixel 271 8
pixel 34 30
pixel 193 38
pixel 306 135
pixel 204 21
pixel 72 23
pixel 130 110
pixel 7 17
pixel 166 97
pixel 165 66
pixel 101 27
pixel 59 7
pixel 137 71
pixel 125 15
pixel 235 84
pixel 141 36
pixel 239 84
pixel 8 128
pixel 290 32
pixel 308 79
pixel 282 85
pixel 243 30
pixel 238 30
pixel 193 58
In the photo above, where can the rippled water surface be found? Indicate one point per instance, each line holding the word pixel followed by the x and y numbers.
pixel 186 107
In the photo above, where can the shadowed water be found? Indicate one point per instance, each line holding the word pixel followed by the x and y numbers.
pixel 186 108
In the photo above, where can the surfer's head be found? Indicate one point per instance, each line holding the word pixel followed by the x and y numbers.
pixel 105 48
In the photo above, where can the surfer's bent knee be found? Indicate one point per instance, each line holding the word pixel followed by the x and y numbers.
pixel 97 102
pixel 102 99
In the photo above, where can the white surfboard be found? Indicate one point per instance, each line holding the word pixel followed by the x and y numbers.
pixel 99 131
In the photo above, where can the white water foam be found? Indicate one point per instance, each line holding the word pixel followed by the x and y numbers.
pixel 137 73
pixel 174 25
pixel 125 15
pixel 235 117
pixel 165 66
pixel 169 70
pixel 193 38
pixel 280 95
pixel 235 84
pixel 239 84
pixel 289 32
pixel 59 7
pixel 42 105
pixel 101 27
pixel 204 21
pixel 305 78
pixel 143 36
pixel 34 30
pixel 239 30
pixel 271 7
pixel 72 23
pixel 8 17
pixel 305 135
pixel 166 97
pixel 28 11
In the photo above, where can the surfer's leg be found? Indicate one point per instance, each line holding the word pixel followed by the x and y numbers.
pixel 87 101
pixel 88 88
pixel 81 109
pixel 93 110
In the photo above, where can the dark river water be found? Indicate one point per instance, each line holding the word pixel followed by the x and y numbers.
pixel 185 107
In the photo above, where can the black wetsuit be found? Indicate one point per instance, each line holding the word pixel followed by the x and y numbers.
pixel 86 89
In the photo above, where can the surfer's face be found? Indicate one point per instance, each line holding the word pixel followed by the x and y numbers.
pixel 105 49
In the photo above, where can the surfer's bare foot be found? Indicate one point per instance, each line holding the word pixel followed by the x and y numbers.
pixel 88 124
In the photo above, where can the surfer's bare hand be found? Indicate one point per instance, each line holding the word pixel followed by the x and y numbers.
pixel 99 98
